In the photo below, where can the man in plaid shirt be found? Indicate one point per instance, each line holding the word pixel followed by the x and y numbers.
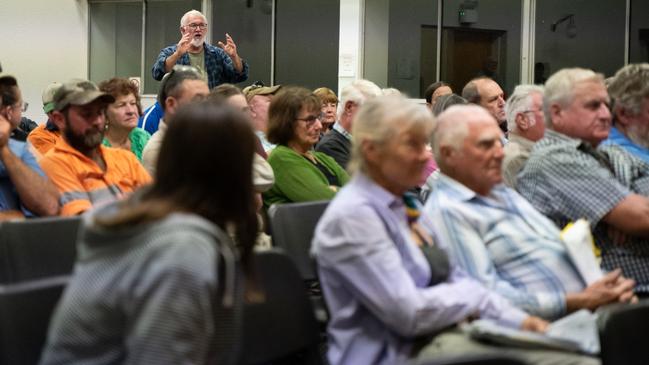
pixel 217 65
pixel 569 176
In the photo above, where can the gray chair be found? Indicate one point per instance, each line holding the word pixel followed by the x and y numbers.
pixel 621 334
pixel 282 328
pixel 25 311
pixel 292 228
pixel 37 248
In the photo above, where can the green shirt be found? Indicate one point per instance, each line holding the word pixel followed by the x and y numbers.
pixel 198 60
pixel 298 180
pixel 139 137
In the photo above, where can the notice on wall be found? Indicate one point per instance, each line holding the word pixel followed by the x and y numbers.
pixel 347 65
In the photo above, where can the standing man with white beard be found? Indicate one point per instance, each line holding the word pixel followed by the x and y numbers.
pixel 217 65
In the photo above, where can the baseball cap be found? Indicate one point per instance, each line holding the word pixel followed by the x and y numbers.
pixel 79 92
pixel 259 89
pixel 48 96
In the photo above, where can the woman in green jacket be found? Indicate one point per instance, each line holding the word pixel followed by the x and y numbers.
pixel 301 174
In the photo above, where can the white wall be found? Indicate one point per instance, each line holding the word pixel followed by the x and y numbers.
pixel 43 41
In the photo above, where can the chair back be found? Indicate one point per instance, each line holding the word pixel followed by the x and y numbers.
pixel 292 227
pixel 37 248
pixel 25 311
pixel 621 334
pixel 282 328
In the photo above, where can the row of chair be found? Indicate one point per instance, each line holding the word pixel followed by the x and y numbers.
pixel 37 257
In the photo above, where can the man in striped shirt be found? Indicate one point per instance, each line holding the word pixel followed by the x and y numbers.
pixel 495 234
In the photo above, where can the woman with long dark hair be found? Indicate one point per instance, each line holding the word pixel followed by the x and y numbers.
pixel 156 278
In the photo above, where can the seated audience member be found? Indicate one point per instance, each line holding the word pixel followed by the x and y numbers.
pixel 121 117
pixel 524 110
pixel 329 106
pixel 44 137
pixel 629 90
pixel 446 101
pixel 179 87
pixel 568 176
pixel 486 92
pixel 301 174
pixel 232 95
pixel 384 295
pixel 150 119
pixel 24 188
pixel 496 235
pixel 337 143
pixel 85 172
pixel 434 91
pixel 147 284
pixel 259 98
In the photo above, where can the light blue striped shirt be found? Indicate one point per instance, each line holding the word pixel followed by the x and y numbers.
pixel 375 280
pixel 504 242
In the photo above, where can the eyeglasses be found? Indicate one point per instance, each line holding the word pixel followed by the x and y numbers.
pixel 194 26
pixel 310 119
pixel 23 107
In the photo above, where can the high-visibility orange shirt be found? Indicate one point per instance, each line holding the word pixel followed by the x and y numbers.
pixel 42 139
pixel 81 181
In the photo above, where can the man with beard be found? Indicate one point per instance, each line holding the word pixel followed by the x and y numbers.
pixel 217 65
pixel 630 93
pixel 85 172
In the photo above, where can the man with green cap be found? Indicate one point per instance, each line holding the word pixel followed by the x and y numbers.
pixel 44 137
pixel 24 188
pixel 85 172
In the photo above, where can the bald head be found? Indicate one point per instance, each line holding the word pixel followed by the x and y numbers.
pixel 488 94
pixel 467 143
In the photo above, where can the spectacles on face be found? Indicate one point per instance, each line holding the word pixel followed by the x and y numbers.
pixel 310 120
pixel 194 26
pixel 23 106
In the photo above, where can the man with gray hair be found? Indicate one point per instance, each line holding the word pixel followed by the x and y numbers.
pixel 337 143
pixel 217 65
pixel 495 234
pixel 569 176
pixel 524 111
pixel 629 90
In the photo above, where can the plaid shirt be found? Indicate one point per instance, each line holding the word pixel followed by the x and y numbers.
pixel 505 243
pixel 218 65
pixel 567 179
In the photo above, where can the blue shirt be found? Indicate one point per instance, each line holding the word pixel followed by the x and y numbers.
pixel 218 65
pixel 150 120
pixel 9 199
pixel 375 280
pixel 505 243
pixel 616 137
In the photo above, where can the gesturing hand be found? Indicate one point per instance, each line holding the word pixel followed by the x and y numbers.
pixel 229 47
pixel 184 43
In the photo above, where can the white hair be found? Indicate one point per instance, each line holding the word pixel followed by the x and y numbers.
pixel 520 101
pixel 183 20
pixel 559 89
pixel 380 119
pixel 452 127
pixel 357 92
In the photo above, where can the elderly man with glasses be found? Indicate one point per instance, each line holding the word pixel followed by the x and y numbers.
pixel 217 65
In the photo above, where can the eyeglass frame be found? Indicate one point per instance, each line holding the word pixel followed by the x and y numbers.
pixel 311 119
pixel 23 107
pixel 193 26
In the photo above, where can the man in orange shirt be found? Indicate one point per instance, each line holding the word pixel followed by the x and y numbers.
pixel 85 172
pixel 44 137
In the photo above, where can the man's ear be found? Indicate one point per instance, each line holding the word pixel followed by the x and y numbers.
pixel 522 122
pixel 58 119
pixel 349 105
pixel 556 114
pixel 623 116
pixel 170 104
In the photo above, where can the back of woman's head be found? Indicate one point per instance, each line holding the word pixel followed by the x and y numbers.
pixel 205 168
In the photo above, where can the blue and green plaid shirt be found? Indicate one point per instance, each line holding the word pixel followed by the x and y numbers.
pixel 218 65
